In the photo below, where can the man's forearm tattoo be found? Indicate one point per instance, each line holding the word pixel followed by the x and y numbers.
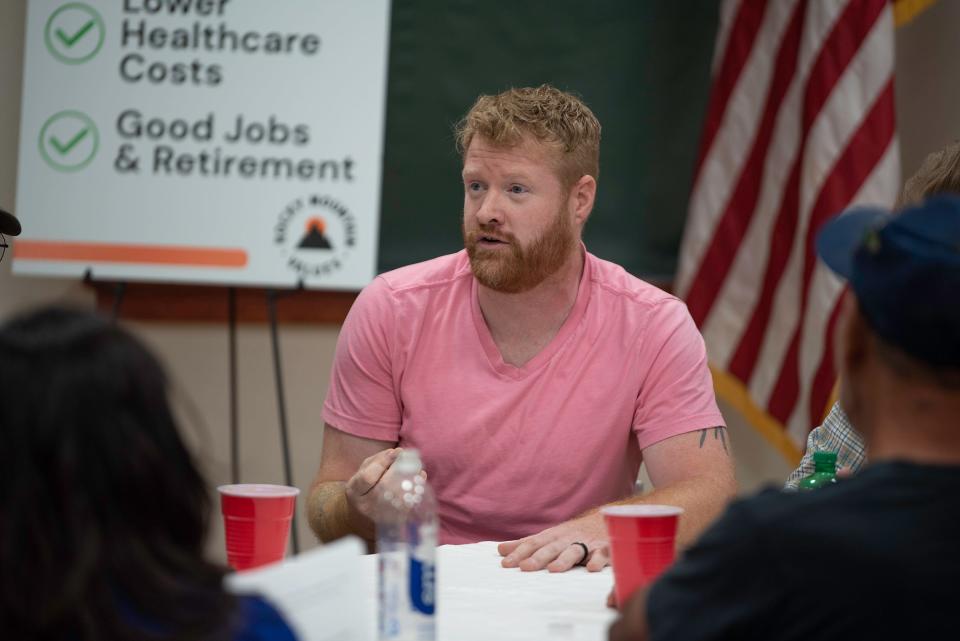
pixel 719 433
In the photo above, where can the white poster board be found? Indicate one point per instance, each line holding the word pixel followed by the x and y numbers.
pixel 209 141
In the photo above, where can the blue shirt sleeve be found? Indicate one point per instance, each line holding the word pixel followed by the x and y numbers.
pixel 260 621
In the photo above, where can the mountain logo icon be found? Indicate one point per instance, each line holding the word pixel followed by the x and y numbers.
pixel 314 237
pixel 317 236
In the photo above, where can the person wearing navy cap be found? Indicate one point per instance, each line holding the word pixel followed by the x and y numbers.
pixel 875 556
pixel 938 174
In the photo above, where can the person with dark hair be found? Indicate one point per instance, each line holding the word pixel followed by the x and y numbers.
pixel 103 512
pixel 875 556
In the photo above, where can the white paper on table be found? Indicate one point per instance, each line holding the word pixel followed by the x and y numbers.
pixel 320 593
pixel 478 600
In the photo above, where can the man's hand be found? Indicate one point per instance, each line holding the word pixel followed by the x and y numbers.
pixel 374 470
pixel 554 548
pixel 691 470
pixel 360 487
pixel 347 459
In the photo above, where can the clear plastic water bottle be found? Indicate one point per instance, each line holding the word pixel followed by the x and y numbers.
pixel 406 520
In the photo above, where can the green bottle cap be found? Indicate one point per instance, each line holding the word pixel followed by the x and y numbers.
pixel 825 461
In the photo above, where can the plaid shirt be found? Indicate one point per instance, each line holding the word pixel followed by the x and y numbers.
pixel 835 435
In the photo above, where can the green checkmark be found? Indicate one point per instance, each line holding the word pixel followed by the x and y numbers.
pixel 74 33
pixel 69 41
pixel 64 149
pixel 68 141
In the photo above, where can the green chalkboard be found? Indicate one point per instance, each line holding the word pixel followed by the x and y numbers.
pixel 643 66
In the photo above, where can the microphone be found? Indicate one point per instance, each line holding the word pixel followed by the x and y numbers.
pixel 9 225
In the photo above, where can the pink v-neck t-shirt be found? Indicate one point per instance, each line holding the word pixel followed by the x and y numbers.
pixel 513 450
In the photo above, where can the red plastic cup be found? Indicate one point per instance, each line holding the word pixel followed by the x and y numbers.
pixel 256 522
pixel 642 544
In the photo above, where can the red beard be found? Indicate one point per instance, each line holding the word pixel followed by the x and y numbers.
pixel 519 269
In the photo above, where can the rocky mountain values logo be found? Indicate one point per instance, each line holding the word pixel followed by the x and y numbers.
pixel 316 236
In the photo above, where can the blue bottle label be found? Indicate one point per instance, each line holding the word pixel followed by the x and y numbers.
pixel 422 592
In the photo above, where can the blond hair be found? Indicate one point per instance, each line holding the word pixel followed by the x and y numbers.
pixel 939 173
pixel 552 117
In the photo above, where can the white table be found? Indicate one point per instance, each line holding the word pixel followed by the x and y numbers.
pixel 330 594
pixel 478 599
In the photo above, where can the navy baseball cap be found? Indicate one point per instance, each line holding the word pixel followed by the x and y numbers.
pixel 904 269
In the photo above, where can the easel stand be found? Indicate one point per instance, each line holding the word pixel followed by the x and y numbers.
pixel 272 296
pixel 232 360
pixel 119 290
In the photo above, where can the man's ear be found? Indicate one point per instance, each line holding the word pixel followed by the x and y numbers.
pixel 582 196
pixel 855 336
pixel 853 347
pixel 853 351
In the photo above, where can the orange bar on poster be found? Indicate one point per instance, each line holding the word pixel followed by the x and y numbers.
pixel 132 254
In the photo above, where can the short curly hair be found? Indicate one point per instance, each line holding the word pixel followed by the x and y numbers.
pixel 552 117
pixel 939 173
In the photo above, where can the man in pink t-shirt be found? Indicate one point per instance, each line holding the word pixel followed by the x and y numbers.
pixel 532 376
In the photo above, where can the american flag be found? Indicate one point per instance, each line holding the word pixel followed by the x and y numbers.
pixel 800 125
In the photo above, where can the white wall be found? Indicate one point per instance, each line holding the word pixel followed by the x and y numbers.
pixel 196 356
pixel 927 91
pixel 928 103
pixel 20 293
